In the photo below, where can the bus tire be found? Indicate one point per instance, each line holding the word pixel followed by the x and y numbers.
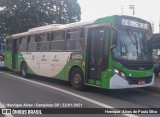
pixel 77 79
pixel 24 70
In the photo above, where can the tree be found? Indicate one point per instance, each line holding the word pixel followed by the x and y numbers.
pixel 19 15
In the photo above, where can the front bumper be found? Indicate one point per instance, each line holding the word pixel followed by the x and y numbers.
pixel 116 82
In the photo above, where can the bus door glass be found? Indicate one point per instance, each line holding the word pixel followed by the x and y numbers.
pixel 15 54
pixel 96 53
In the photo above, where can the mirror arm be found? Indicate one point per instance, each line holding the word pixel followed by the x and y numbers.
pixel 114 28
pixel 112 47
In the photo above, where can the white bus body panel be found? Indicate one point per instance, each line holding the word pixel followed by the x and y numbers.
pixel 116 82
pixel 47 63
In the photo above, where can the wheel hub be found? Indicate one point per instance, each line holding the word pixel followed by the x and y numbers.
pixel 77 79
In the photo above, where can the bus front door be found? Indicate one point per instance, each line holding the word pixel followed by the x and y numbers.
pixel 15 54
pixel 96 37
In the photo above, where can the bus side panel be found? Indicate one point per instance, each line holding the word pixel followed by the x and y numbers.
pixel 8 59
pixel 32 60
pixel 21 58
pixel 49 63
pixel 75 63
pixel 63 64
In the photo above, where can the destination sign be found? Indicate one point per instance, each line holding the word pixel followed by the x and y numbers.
pixel 133 23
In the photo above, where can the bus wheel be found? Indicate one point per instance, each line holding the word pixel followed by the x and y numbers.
pixel 24 70
pixel 77 79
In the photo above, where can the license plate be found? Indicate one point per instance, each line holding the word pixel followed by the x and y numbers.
pixel 141 82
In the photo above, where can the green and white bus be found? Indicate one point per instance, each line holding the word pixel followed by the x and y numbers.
pixel 113 52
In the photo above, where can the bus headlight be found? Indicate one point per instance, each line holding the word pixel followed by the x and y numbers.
pixel 121 74
pixel 116 71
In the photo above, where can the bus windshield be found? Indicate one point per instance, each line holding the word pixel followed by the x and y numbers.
pixel 133 46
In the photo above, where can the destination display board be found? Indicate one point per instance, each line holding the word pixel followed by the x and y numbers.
pixel 133 22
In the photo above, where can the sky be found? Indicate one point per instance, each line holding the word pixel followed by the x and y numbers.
pixel 145 9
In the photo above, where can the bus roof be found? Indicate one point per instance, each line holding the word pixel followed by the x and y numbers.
pixel 20 34
pixel 52 27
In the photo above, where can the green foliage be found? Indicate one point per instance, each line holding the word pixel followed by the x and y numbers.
pixel 19 15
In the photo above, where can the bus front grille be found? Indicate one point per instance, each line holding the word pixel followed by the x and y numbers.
pixel 135 81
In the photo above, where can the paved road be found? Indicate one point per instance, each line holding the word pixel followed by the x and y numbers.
pixel 41 90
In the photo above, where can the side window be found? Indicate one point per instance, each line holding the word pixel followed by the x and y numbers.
pixel 32 43
pixel 23 44
pixel 107 42
pixel 58 35
pixel 106 49
pixel 43 37
pixel 57 41
pixel 43 43
pixel 9 45
pixel 75 39
pixel 73 34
